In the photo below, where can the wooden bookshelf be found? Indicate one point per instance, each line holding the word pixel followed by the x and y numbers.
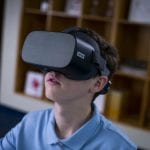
pixel 131 39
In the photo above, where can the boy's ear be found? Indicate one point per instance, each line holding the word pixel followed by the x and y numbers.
pixel 99 84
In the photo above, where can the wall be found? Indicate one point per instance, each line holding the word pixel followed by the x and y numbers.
pixel 12 19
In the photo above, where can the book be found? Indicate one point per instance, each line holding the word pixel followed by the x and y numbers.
pixel 117 99
pixel 44 6
pixel 139 11
pixel 34 84
pixel 73 7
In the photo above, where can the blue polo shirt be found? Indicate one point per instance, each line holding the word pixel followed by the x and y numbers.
pixel 36 132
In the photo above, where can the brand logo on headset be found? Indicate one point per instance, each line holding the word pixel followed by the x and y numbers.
pixel 81 55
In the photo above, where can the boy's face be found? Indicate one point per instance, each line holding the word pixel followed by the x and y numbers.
pixel 59 88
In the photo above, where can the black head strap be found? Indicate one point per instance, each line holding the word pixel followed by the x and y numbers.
pixel 98 59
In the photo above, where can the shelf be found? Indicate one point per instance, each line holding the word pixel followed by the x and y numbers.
pixel 32 97
pixel 53 13
pixel 63 15
pixel 97 18
pixel 129 75
pixel 134 23
pixel 125 35
pixel 43 100
pixel 35 11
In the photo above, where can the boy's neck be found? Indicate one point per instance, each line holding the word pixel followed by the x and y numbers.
pixel 70 118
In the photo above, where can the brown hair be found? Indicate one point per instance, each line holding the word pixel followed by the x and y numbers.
pixel 107 51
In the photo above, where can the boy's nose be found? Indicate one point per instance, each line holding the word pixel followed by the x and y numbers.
pixel 54 73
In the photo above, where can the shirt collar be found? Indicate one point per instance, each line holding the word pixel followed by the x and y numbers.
pixel 50 132
pixel 80 137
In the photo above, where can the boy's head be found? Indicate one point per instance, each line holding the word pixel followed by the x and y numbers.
pixel 78 53
pixel 106 51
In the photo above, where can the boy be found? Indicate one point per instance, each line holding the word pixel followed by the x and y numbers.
pixel 73 79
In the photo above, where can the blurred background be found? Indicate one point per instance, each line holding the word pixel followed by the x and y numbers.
pixel 125 24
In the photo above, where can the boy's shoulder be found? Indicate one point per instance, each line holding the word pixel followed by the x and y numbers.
pixel 113 134
pixel 36 117
pixel 38 113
